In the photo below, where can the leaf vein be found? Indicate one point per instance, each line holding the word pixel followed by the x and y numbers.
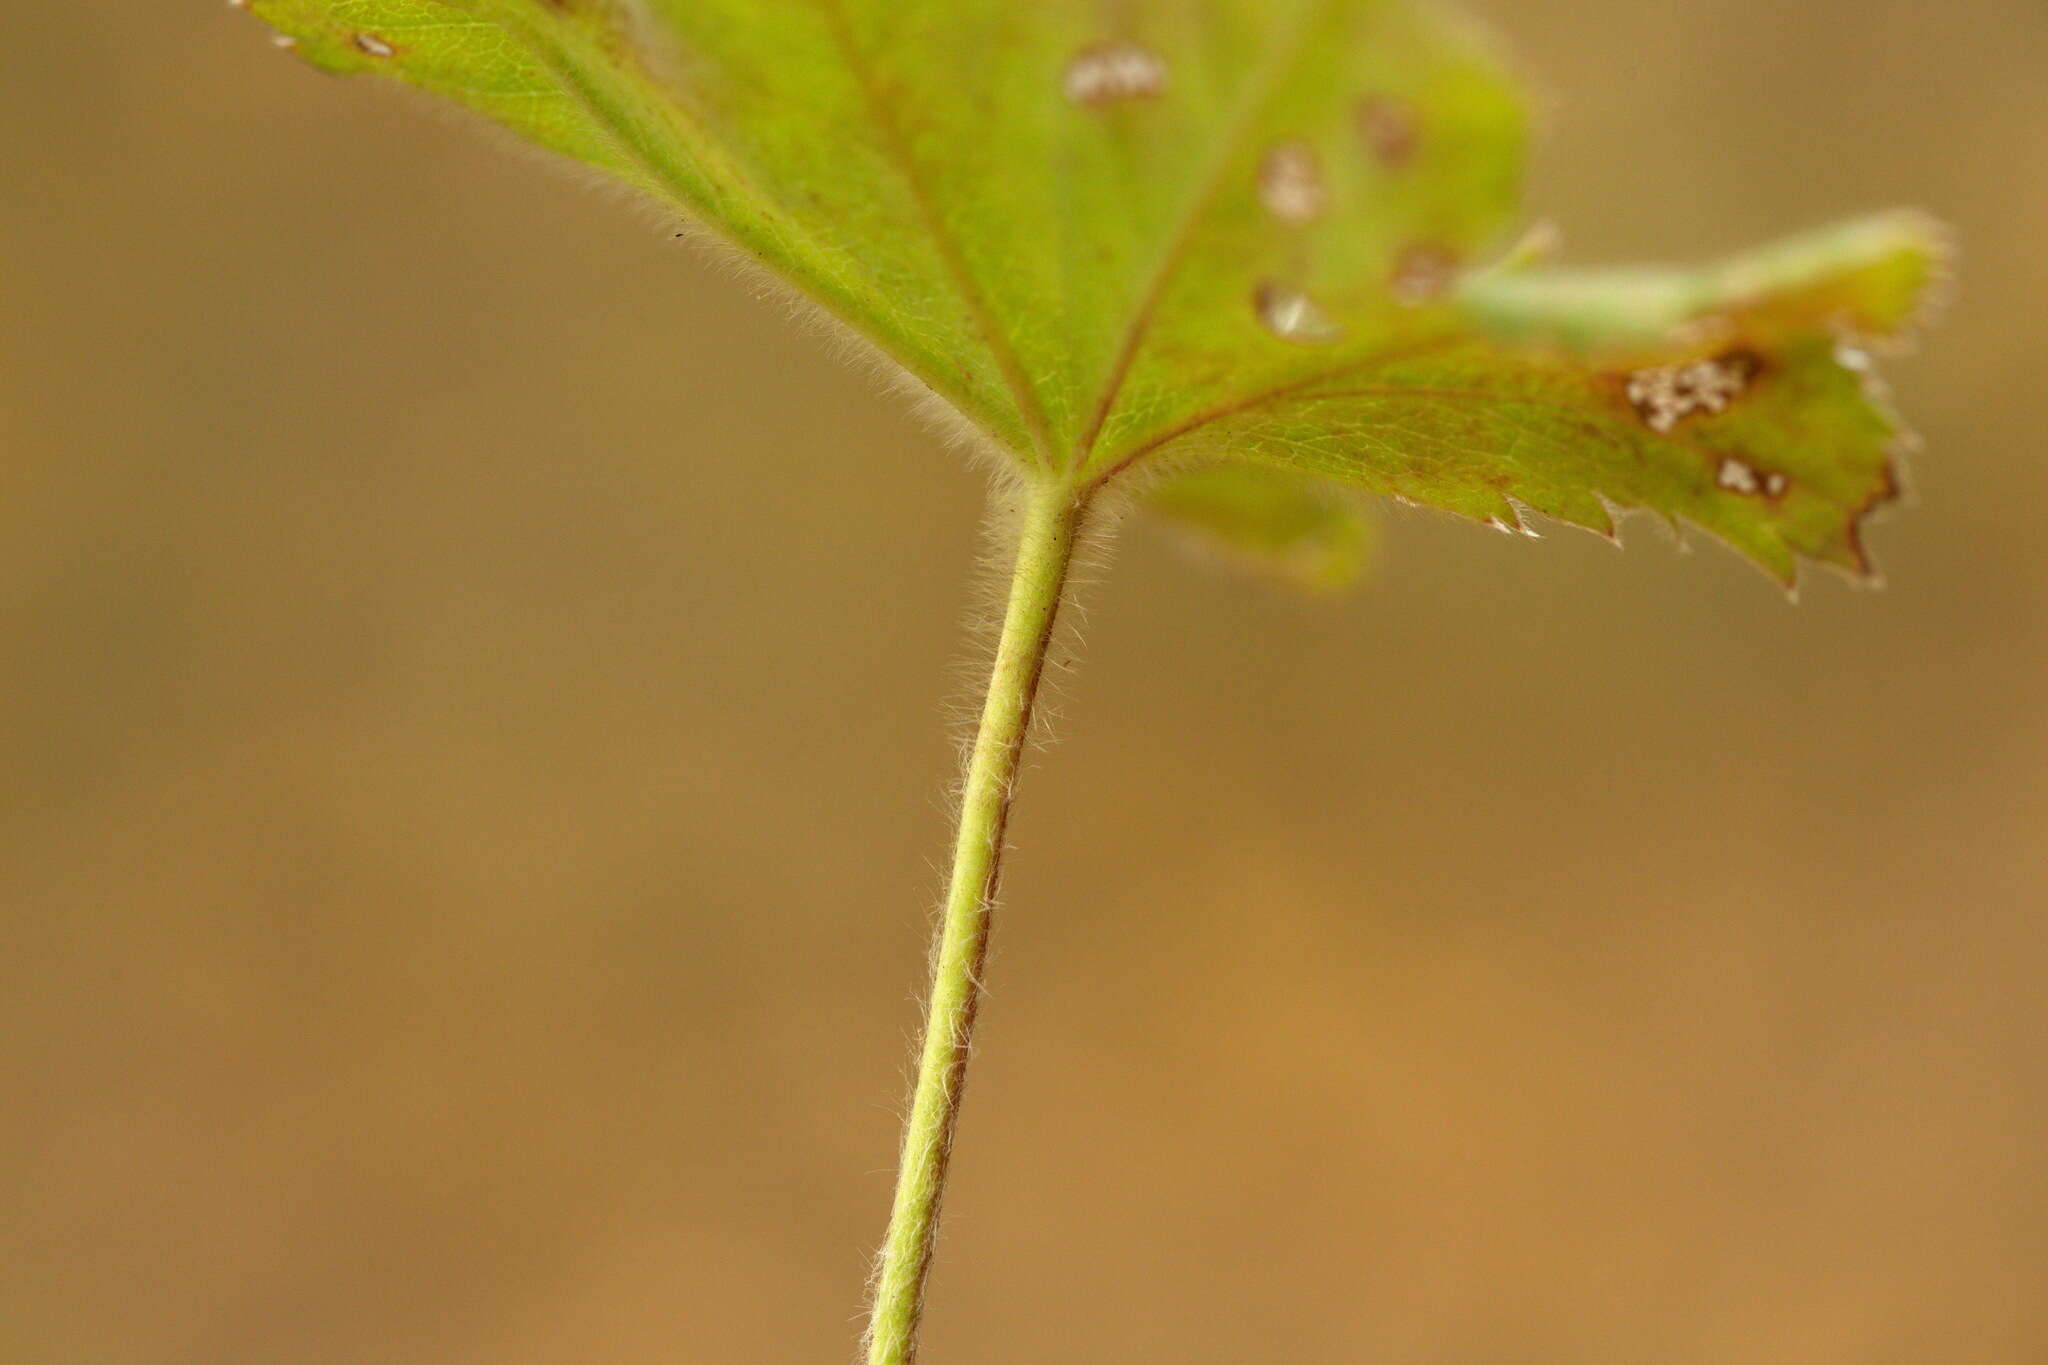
pixel 1188 221
pixel 894 145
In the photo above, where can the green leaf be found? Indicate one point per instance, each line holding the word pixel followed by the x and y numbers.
pixel 1867 278
pixel 1311 532
pixel 1255 230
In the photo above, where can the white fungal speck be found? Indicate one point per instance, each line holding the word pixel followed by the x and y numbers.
pixel 1852 357
pixel 1737 477
pixel 1497 524
pixel 1110 73
pixel 1665 395
pixel 370 45
pixel 1740 476
pixel 1291 315
pixel 283 41
pixel 1291 183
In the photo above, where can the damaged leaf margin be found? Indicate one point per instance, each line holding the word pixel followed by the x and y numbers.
pixel 1221 239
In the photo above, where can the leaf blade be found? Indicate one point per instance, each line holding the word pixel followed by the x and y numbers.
pixel 1244 231
pixel 1311 533
pixel 1486 434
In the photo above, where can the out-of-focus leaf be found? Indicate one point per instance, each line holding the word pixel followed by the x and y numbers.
pixel 1869 277
pixel 1312 532
pixel 1106 233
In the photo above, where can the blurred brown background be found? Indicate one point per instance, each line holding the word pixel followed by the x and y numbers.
pixel 472 747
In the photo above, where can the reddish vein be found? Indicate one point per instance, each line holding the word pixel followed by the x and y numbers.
pixel 1266 398
pixel 954 260
pixel 1140 325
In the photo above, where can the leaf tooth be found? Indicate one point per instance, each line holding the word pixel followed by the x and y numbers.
pixel 1523 511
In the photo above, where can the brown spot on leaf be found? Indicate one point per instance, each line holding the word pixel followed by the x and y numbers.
pixel 1292 315
pixel 1111 73
pixel 1422 273
pixel 1388 128
pixel 1291 183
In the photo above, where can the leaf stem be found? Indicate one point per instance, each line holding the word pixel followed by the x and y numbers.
pixel 1038 579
